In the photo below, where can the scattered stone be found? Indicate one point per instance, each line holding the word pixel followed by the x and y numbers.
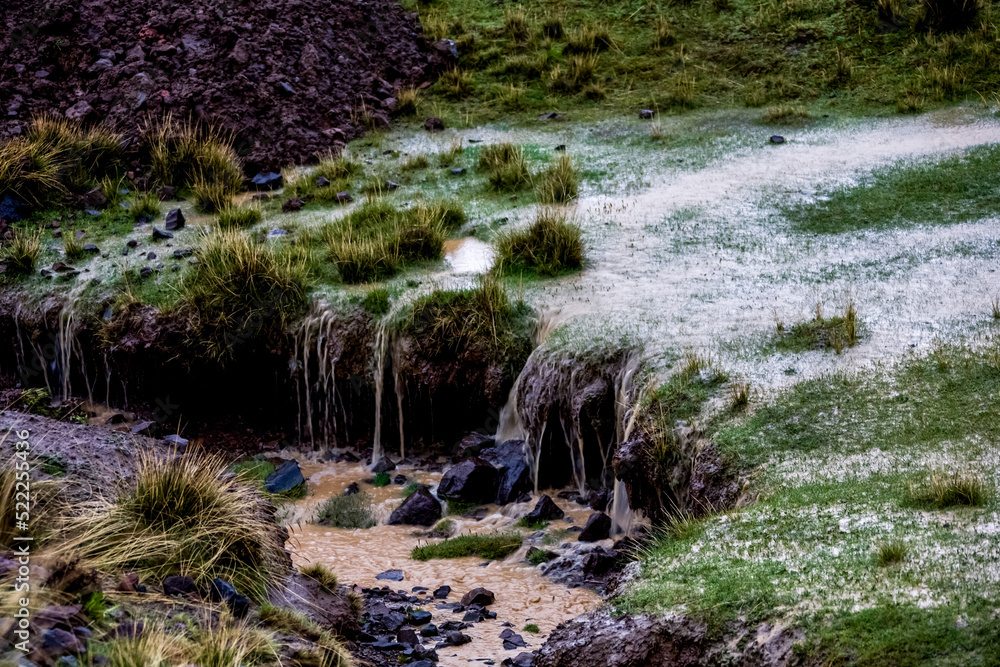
pixel 390 185
pixel 285 478
pixel 61 267
pixel 352 488
pixel 408 636
pixel 174 220
pixel 267 180
pixel 514 471
pixel 399 479
pixel 117 418
pixel 561 148
pixel 434 124
pixel 344 197
pixel 552 115
pixel 94 199
pixel 158 235
pixel 150 256
pixel 180 585
pixel 521 660
pixel 144 428
pixel 419 509
pixel 418 617
pixel 456 638
pixel 429 630
pixel 90 247
pixel 457 171
pixel 442 593
pixel 175 439
pixel 145 272
pixel 777 139
pixel 182 252
pixel 167 193
pixel 292 205
pixel 512 640
pixel 322 182
pixel 390 575
pixel 598 528
pixel 545 510
pixel 450 626
pixel 384 464
pixel 471 445
pixel 57 642
pixel 647 114
pixel 479 597
pixel 473 480
pixel 129 583
pixel 132 243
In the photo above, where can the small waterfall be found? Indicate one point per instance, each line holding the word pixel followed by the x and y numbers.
pixel 314 363
pixel 622 516
pixel 381 352
pixel 397 381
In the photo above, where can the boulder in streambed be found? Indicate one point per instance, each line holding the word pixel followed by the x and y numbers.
pixel 513 471
pixel 285 478
pixel 471 481
pixel 598 528
pixel 419 509
pixel 384 464
pixel 545 510
pixel 479 597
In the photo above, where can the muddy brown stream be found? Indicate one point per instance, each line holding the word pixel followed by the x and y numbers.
pixel 523 595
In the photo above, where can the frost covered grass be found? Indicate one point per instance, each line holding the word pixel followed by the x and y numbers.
pixel 835 543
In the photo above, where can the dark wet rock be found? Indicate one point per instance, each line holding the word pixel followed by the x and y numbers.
pixel 285 478
pixel 434 124
pixel 384 464
pixel 91 248
pixel 322 182
pixel 352 488
pixel 418 617
pixel 545 510
pixel 176 440
pixel 456 638
pixel 442 593
pixel 407 636
pixel 457 171
pixel 646 114
pixel 387 646
pixel 344 197
pixel 167 193
pixel 512 640
pixel 390 575
pixel 145 272
pixel 421 508
pixel 599 500
pixel 292 205
pixel 472 481
pixel 180 585
pixel 471 445
pixel 183 252
pixel 423 663
pixel 429 630
pixel 598 528
pixel 520 660
pixel 551 115
pixel 62 267
pixel 777 139
pixel 161 235
pixel 390 185
pixel 399 479
pixel 222 591
pixel 561 148
pixel 94 199
pixel 513 470
pixel 329 609
pixel 277 233
pixel 479 597
pixel 267 180
pixel 477 513
pixel 598 564
pixel 132 243
pixel 451 626
pixel 150 256
pixel 146 428
pixel 174 220
pixel 56 642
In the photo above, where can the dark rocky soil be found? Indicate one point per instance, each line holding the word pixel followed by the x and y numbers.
pixel 285 76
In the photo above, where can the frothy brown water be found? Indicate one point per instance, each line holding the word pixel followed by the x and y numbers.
pixel 523 595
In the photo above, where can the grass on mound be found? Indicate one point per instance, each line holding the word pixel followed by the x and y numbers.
pixel 506 167
pixel 494 547
pixel 376 240
pixel 188 153
pixel 180 516
pixel 239 217
pixel 956 189
pixel 482 319
pixel 595 59
pixel 550 246
pixel 560 183
pixel 243 290
pixel 821 333
pixel 353 511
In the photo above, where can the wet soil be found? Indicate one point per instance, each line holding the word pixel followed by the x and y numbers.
pixel 290 79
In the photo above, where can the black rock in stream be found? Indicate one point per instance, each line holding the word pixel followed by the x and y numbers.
pixel 514 471
pixel 598 528
pixel 419 509
pixel 545 510
pixel 471 481
pixel 285 478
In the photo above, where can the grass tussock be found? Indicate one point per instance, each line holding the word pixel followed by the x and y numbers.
pixel 407 102
pixel 506 167
pixel 493 547
pixel 890 553
pixel 481 320
pixel 31 171
pixel 577 73
pixel 238 217
pixel 211 196
pixel 954 489
pixel 353 511
pixel 20 253
pixel 242 289
pixel 550 246
pixel 322 575
pixel 821 333
pixel 376 240
pixel 145 205
pixel 180 516
pixel 186 153
pixel 558 184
